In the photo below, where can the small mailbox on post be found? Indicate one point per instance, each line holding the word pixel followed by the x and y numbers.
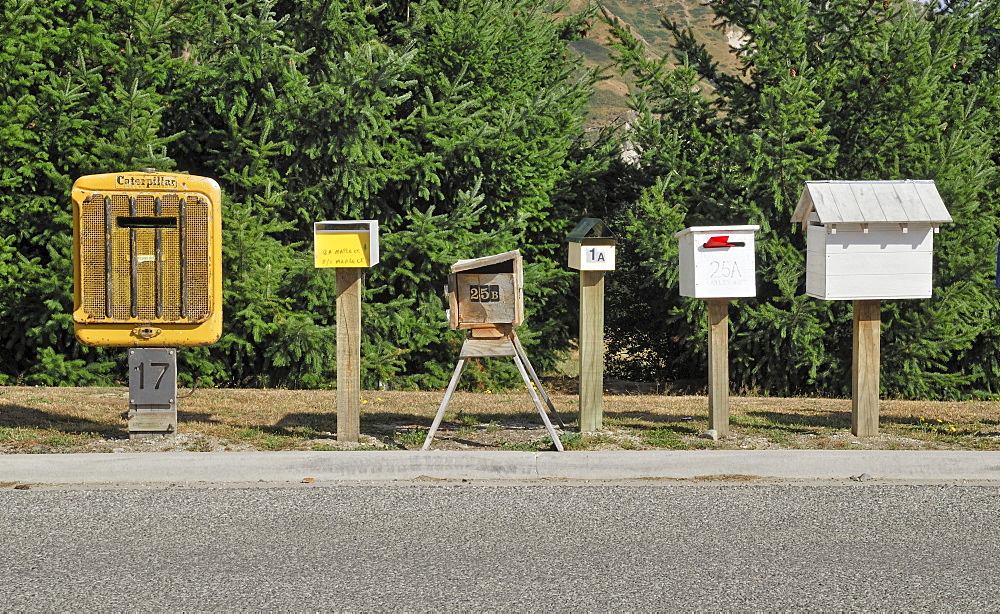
pixel 147 272
pixel 346 244
pixel 349 246
pixel 592 252
pixel 867 241
pixel 592 246
pixel 147 259
pixel 486 296
pixel 717 263
pixel 870 240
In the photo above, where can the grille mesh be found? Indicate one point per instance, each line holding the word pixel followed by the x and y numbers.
pixel 144 284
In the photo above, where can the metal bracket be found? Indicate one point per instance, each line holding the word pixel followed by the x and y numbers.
pixel 152 391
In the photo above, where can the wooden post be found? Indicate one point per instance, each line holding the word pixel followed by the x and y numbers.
pixel 718 366
pixel 591 351
pixel 865 380
pixel 349 354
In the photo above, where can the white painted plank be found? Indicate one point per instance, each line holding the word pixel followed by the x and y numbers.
pixel 805 204
pixel 894 202
pixel 848 209
pixel 868 287
pixel 815 285
pixel 874 263
pixel 876 241
pixel 912 203
pixel 909 194
pixel 932 202
pixel 821 202
pixel 685 262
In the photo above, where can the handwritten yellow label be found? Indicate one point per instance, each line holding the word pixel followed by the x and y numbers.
pixel 342 250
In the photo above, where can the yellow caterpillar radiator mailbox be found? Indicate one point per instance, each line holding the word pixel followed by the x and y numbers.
pixel 147 258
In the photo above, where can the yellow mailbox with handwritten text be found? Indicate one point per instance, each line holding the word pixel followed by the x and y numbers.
pixel 347 244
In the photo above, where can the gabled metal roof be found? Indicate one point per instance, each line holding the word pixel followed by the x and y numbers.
pixel 837 202
pixel 590 228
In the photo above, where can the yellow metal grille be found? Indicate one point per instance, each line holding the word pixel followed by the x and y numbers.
pixel 145 257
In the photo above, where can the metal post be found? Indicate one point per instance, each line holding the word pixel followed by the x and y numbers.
pixel 152 392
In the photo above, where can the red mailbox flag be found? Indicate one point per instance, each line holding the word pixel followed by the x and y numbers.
pixel 722 241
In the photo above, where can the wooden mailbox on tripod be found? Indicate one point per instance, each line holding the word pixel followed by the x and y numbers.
pixel 486 297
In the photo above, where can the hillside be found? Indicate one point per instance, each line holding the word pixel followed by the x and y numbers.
pixel 610 101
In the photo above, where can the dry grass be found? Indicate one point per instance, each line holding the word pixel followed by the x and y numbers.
pixel 34 420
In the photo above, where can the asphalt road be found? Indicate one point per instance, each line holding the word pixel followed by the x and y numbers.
pixel 637 546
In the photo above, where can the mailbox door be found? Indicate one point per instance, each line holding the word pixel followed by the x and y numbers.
pixel 147 254
pixel 486 298
pixel 714 268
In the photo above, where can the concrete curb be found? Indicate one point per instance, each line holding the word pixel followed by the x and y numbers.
pixel 283 467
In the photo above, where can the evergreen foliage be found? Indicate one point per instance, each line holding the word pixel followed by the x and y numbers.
pixel 847 90
pixel 451 122
pixel 458 125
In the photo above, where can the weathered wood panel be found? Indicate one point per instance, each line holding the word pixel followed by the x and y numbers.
pixel 488 298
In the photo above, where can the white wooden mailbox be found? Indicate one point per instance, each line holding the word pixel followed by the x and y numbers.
pixel 869 240
pixel 592 246
pixel 717 261
pixel 346 244
pixel 486 291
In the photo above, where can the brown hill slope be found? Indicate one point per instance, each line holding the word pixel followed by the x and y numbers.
pixel 610 102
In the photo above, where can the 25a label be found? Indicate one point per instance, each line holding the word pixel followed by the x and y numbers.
pixel 724 269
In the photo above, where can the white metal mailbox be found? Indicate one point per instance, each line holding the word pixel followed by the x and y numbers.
pixel 717 261
pixel 870 240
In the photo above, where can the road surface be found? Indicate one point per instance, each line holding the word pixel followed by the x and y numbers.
pixel 452 545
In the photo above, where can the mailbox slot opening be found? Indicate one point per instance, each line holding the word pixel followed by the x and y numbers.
pixel 146 222
pixel 500 267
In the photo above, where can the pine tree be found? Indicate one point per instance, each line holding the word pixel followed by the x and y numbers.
pixel 851 90
pixel 461 145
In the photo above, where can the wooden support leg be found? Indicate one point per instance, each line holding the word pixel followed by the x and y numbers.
pixel 864 403
pixel 534 377
pixel 718 366
pixel 348 354
pixel 538 403
pixel 444 403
